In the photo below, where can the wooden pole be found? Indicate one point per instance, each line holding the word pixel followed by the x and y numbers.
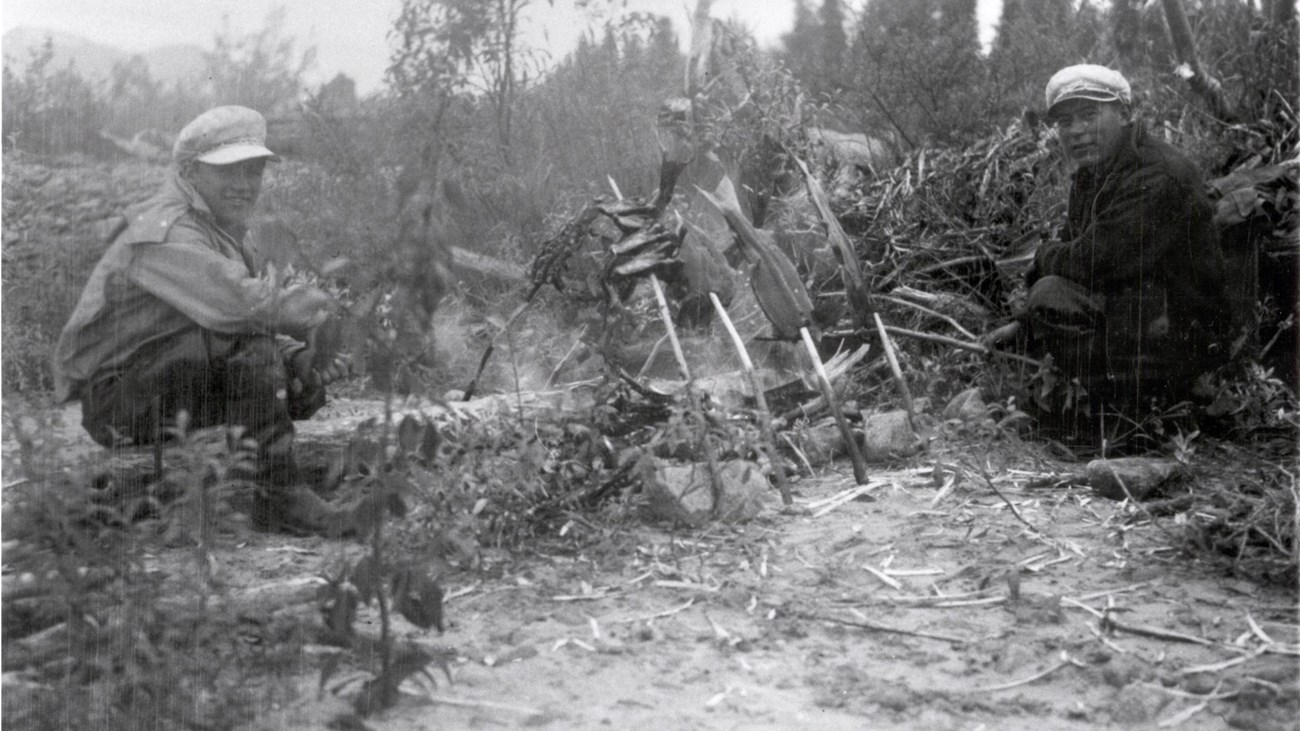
pixel 1208 87
pixel 888 345
pixel 492 344
pixel 764 413
pixel 710 457
pixel 855 451
pixel 550 380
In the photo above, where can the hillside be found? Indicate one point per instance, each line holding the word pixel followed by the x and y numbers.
pixel 93 60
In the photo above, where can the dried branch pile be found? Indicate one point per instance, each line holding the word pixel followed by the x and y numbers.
pixel 960 223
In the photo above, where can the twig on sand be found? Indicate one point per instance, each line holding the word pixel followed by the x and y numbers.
pixel 484 705
pixel 1219 666
pixel 927 599
pixel 1108 592
pixel 968 602
pixel 864 623
pixel 1110 624
pixel 1066 660
pixel 1011 505
pixel 1157 633
pixel 660 615
pixel 1187 713
pixel 891 581
pixel 822 507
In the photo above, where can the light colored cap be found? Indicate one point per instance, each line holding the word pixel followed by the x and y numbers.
pixel 222 136
pixel 1088 81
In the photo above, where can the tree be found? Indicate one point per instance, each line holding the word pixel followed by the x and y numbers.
pixel 50 110
pixel 917 68
pixel 799 46
pixel 453 48
pixel 260 70
pixel 1035 38
pixel 833 50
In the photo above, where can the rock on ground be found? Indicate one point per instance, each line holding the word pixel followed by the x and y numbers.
pixel 1142 476
pixel 683 493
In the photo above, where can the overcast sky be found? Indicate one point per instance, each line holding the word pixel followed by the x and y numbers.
pixel 350 35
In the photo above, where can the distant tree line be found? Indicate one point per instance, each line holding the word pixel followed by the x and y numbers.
pixel 916 66
pixel 467 98
pixel 50 110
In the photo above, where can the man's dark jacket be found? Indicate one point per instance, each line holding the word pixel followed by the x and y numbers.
pixel 1140 235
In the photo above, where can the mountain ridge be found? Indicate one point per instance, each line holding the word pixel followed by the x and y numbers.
pixel 168 64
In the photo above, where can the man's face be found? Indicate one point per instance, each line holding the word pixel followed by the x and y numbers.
pixel 230 191
pixel 1091 131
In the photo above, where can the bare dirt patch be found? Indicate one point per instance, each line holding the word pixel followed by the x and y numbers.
pixel 894 605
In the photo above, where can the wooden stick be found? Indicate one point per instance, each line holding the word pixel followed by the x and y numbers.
pixel 855 451
pixel 892 357
pixel 572 349
pixel 650 359
pixel 867 624
pixel 1026 681
pixel 492 344
pixel 710 458
pixel 841 499
pixel 764 413
pixel 928 311
pixel 481 705
pixel 960 344
pixel 1109 623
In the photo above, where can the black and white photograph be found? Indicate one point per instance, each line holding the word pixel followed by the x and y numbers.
pixel 671 364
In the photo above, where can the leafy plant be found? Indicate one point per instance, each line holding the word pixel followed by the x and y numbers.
pixel 107 639
pixel 381 463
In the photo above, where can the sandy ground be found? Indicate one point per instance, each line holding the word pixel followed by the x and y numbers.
pixel 893 606
pixel 737 628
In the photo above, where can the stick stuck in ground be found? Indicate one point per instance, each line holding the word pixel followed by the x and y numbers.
pixel 855 451
pixel 710 457
pixel 894 368
pixel 764 413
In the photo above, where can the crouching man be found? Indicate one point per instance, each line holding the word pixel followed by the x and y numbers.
pixel 1132 300
pixel 175 318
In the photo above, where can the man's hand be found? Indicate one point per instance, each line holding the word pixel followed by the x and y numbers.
pixel 302 374
pixel 304 309
pixel 338 368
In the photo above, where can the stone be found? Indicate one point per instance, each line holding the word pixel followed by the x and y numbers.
pixel 820 443
pixel 1141 475
pixel 967 407
pixel 1137 705
pixel 887 437
pixel 683 493
pixel 1123 671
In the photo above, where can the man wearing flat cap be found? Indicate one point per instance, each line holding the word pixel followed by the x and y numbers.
pixel 175 318
pixel 1132 300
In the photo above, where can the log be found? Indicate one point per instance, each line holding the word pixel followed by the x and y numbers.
pixel 52 643
pixel 464 260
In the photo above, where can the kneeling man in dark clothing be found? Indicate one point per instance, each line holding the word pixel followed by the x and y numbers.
pixel 1132 300
pixel 178 317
